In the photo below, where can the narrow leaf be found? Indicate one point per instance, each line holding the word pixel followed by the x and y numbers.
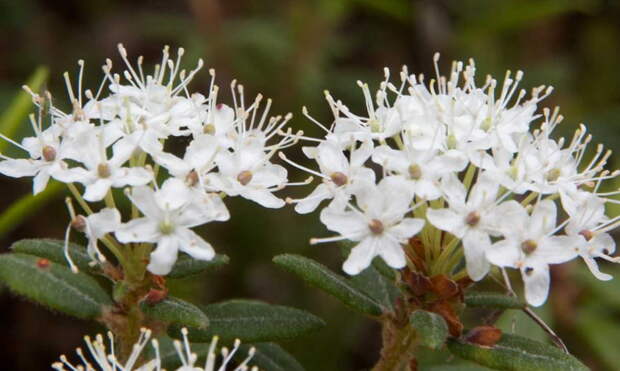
pixel 54 251
pixel 431 329
pixel 321 277
pixel 492 300
pixel 53 285
pixel 175 310
pixel 517 353
pixel 375 285
pixel 251 320
pixel 269 357
pixel 187 266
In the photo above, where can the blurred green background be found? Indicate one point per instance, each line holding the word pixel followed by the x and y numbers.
pixel 291 50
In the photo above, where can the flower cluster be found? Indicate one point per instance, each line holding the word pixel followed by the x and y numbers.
pixel 468 170
pixel 175 154
pixel 106 359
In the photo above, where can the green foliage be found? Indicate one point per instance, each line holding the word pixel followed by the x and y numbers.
pixel 54 251
pixel 187 266
pixel 516 353
pixel 321 277
pixel 269 357
pixel 375 285
pixel 53 285
pixel 175 310
pixel 251 320
pixel 431 329
pixel 492 300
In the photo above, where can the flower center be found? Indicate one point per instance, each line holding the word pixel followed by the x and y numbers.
pixel 244 177
pixel 208 129
pixel 553 174
pixel 79 223
pixel 192 178
pixel 472 218
pixel 166 227
pixel 49 153
pixel 376 226
pixel 587 234
pixel 375 126
pixel 338 178
pixel 415 172
pixel 529 246
pixel 103 170
pixel 486 124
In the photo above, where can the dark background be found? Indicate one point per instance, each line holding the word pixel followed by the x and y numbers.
pixel 292 51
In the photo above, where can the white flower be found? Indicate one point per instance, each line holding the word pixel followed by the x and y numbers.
pixel 588 224
pixel 473 220
pixel 531 246
pixel 247 172
pixel 47 154
pixel 379 226
pixel 102 173
pixel 105 358
pixel 340 175
pixel 422 169
pixel 168 216
pixel 95 227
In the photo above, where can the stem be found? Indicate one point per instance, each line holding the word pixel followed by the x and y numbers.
pixel 398 346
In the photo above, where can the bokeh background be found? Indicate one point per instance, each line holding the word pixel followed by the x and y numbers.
pixel 291 50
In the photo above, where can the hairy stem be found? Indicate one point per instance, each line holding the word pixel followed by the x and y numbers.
pixel 398 348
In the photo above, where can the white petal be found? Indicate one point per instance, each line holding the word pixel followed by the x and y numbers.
pixel 268 176
pixel 173 194
pixel 451 161
pixel 139 230
pixel 454 190
pixel 475 245
pixel 18 168
pixel 144 199
pixel 505 253
pixel 447 220
pixel 543 218
pixel 331 159
pixel 39 182
pixel 536 280
pixel 262 197
pixel 407 228
pixel 392 253
pixel 593 267
pixel 309 203
pixel 557 249
pixel 360 155
pixel 96 191
pixel 105 221
pixel 391 159
pixel 195 246
pixel 133 176
pixel 346 223
pixel 361 256
pixel 164 256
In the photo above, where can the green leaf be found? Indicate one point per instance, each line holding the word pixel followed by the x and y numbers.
pixel 54 251
pixel 517 353
pixel 492 300
pixel 175 310
pixel 27 205
pixel 53 285
pixel 251 320
pixel 187 266
pixel 269 357
pixel 21 106
pixel 431 329
pixel 321 277
pixel 375 285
